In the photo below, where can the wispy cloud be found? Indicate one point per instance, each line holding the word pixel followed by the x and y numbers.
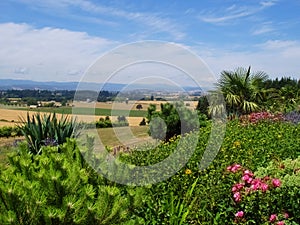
pixel 264 28
pixel 278 44
pixel 151 21
pixel 268 3
pixel 234 12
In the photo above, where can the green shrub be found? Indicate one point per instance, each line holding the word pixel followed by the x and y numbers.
pixel 103 123
pixel 7 132
pixel 106 123
pixel 46 130
pixel 54 188
pixel 172 120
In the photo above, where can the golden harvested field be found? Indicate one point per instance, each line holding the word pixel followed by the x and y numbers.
pixel 10 117
pixel 130 106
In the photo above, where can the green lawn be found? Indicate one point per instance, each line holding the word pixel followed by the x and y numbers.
pixel 88 111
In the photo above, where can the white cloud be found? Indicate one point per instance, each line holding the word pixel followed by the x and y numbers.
pixel 62 55
pixel 268 3
pixel 234 12
pixel 47 53
pixel 265 28
pixel 277 58
pixel 278 44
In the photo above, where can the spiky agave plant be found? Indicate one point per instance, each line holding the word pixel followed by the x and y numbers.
pixel 43 130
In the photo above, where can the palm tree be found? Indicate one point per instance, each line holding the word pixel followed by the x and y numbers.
pixel 242 90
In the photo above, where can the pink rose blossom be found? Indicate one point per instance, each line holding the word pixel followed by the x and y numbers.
pixel 237 196
pixel 245 177
pixel 264 187
pixel 237 187
pixel 280 223
pixel 234 168
pixel 229 168
pixel 286 215
pixel 256 181
pixel 255 187
pixel 234 189
pixel 249 180
pixel 273 217
pixel 239 214
pixel 249 173
pixel 276 183
pixel 256 184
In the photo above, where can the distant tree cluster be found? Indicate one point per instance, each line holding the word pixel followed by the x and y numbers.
pixel 171 120
pixel 32 97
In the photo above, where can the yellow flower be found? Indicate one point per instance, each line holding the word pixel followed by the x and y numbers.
pixel 237 144
pixel 188 171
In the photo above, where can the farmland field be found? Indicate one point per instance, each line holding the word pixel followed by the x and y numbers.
pixel 11 116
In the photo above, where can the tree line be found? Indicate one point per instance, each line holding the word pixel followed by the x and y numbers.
pixel 32 97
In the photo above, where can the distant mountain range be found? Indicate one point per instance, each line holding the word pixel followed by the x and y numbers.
pixel 6 84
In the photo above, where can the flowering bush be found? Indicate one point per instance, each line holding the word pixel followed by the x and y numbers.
pixel 261 197
pixel 260 116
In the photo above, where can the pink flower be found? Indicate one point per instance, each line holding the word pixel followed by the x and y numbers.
pixel 239 214
pixel 264 187
pixel 255 187
pixel 237 187
pixel 245 177
pixel 249 173
pixel 280 223
pixel 256 181
pixel 276 183
pixel 237 196
pixel 229 168
pixel 234 189
pixel 286 215
pixel 249 180
pixel 273 217
pixel 234 168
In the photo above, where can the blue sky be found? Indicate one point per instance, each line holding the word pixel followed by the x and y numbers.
pixel 58 40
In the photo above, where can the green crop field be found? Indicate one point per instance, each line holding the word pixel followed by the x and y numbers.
pixel 89 111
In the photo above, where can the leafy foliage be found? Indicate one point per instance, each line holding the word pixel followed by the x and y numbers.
pixel 104 123
pixel 243 91
pixel 40 130
pixel 171 120
pixel 203 105
pixel 61 188
pixel 251 145
pixel 6 131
